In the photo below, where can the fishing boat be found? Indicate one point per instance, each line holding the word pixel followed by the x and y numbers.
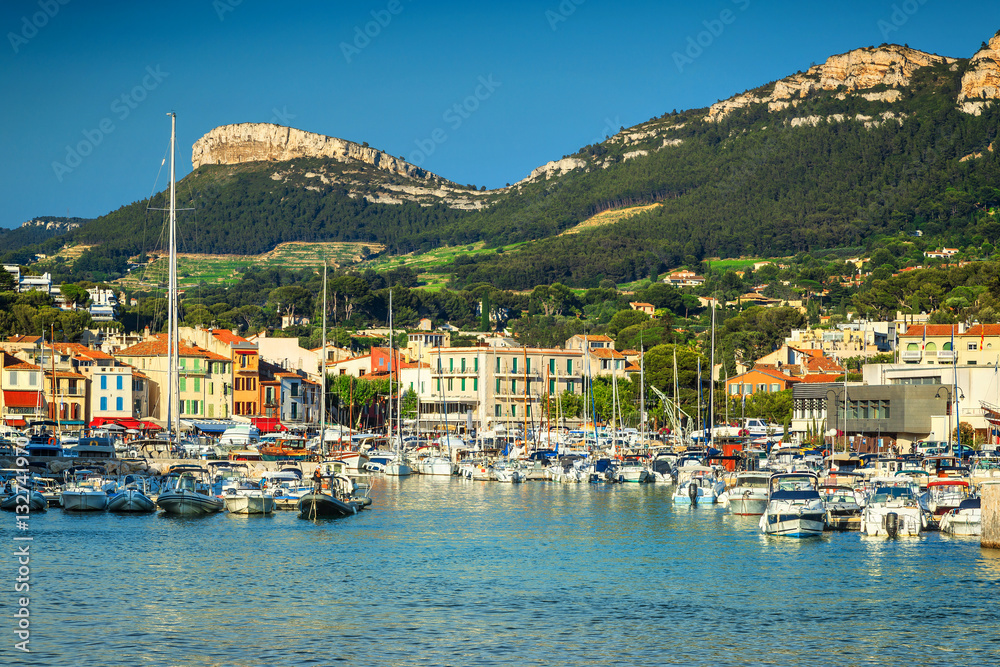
pixel 964 520
pixel 131 495
pixel 893 509
pixel 83 491
pixel 748 496
pixel 794 507
pixel 284 450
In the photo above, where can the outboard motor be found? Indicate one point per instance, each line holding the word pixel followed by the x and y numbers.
pixel 892 524
pixel 693 492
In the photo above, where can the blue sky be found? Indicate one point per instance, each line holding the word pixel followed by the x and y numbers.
pixel 98 78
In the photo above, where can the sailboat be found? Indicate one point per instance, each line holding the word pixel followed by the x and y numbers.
pixel 184 494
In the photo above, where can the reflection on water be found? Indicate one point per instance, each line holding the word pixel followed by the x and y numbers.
pixel 447 571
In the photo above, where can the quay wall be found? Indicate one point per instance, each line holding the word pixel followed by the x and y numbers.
pixel 990 499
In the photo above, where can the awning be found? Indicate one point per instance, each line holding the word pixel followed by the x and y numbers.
pixel 16 423
pixel 21 399
pixel 71 423
pixel 98 422
pixel 150 426
pixel 268 424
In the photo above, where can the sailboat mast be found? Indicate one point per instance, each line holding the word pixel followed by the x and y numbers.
pixel 642 393
pixel 392 346
pixel 711 386
pixel 322 376
pixel 173 385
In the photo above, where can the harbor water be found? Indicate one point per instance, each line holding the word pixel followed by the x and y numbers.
pixel 444 571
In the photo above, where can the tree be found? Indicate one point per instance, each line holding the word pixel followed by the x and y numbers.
pixel 625 318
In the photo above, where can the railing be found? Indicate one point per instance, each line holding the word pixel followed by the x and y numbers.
pixel 946 354
pixel 910 355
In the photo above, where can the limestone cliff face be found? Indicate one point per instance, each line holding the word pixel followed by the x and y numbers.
pixel 981 82
pixel 860 69
pixel 256 142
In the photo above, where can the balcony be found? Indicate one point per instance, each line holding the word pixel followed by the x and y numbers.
pixel 910 355
pixel 946 355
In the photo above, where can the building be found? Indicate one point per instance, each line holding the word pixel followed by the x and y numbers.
pixel 643 307
pixel 943 253
pixel 204 378
pixel 299 398
pixel 759 380
pixel 683 278
pixel 21 397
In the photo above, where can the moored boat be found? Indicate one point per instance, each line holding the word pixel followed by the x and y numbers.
pixel 794 507
pixel 131 496
pixel 893 509
pixel 748 496
pixel 964 520
pixel 83 492
pixel 187 494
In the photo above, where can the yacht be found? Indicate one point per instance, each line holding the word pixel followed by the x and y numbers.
pixel 843 512
pixel 794 507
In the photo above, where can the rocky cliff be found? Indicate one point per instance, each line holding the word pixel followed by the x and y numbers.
pixel 257 142
pixel 981 82
pixel 861 69
pixel 366 172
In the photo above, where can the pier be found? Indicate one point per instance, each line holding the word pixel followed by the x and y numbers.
pixel 991 515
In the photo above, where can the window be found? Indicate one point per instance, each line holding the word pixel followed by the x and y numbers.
pixel 496 410
pixel 32 379
pixel 552 387
pixel 931 347
pixel 552 366
pixel 775 387
pixel 529 410
pixel 498 364
pixel 973 346
pixel 104 382
pixel 13 378
pixel 513 368
pixel 197 364
pixel 119 383
pixel 463 364
pixel 211 410
pixel 569 387
pixel 451 384
pixel 463 384
pixel 498 385
pixel 946 347
pixel 295 390
pixel 119 404
pixel 181 384
pixel 197 384
pixel 211 388
pixel 734 389
pixel 527 364
pixel 513 411
pixel 295 410
pixel 104 403
pixel 885 409
pixel 762 387
pixel 513 386
pixel 439 384
pixel 183 362
pixel 451 364
pixel 194 407
pixel 527 386
pixel 475 384
pixel 569 365
pixel 475 364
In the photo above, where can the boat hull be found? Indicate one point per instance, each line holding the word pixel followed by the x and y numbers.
pixel 131 501
pixel 256 503
pixel 84 501
pixel 744 505
pixel 962 523
pixel 441 467
pixel 793 525
pixel 188 503
pixel 34 500
pixel 324 506
pixel 875 522
pixel 398 469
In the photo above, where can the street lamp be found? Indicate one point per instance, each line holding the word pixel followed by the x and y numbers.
pixel 837 394
pixel 937 394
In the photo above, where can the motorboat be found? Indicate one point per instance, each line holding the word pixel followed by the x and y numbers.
pixel 698 485
pixel 662 468
pixel 633 469
pixel 83 491
pixel 435 465
pixel 944 495
pixel 893 509
pixel 131 495
pixel 964 520
pixel 337 500
pixel 843 511
pixel 15 495
pixel 504 471
pixel 248 498
pixel 794 507
pixel 748 496
pixel 186 493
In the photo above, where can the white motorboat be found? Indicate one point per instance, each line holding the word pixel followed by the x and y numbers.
pixel 83 492
pixel 131 496
pixel 893 509
pixel 794 508
pixel 964 520
pixel 748 496
pixel 186 494
pixel 435 465
pixel 944 495
pixel 508 473
pixel 698 485
pixel 634 470
pixel 843 512
pixel 16 496
pixel 248 501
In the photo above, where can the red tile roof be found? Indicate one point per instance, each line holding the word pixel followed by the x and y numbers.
pixel 227 336
pixel 23 339
pixel 606 353
pixel 12 363
pixel 977 330
pixel 157 347
pixel 821 377
pixel 917 330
